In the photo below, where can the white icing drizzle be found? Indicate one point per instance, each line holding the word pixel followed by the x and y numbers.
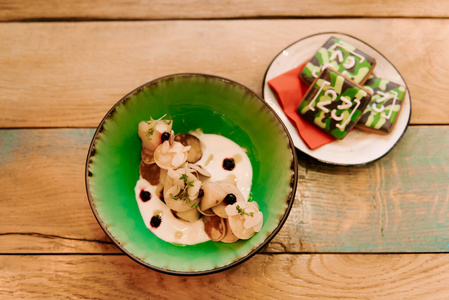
pixel 392 106
pixel 333 47
pixel 350 62
pixel 342 126
pixel 370 89
pixel 335 117
pixel 328 65
pixel 311 104
pixel 347 103
pixel 383 99
pixel 322 105
pixel 337 55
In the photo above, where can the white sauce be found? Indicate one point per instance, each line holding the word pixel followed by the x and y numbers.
pixel 215 149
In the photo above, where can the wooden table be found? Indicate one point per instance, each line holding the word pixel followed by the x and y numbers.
pixel 383 233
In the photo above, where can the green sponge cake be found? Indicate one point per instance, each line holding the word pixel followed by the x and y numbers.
pixel 382 112
pixel 334 103
pixel 343 58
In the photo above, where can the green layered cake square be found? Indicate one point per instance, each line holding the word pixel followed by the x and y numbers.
pixel 334 103
pixel 343 58
pixel 383 110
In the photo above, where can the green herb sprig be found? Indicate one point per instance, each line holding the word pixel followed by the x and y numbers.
pixel 152 123
pixel 242 212
pixel 183 194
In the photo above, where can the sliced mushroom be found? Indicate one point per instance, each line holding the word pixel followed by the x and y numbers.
pixel 172 177
pixel 236 225
pixel 214 227
pixel 229 236
pixel 194 190
pixel 147 155
pixel 169 194
pixel 150 173
pixel 162 176
pixel 171 156
pixel 178 204
pixel 213 195
pixel 245 219
pixel 199 169
pixel 189 215
pixel 220 210
pixel 187 139
pixel 230 189
pixel 177 195
pixel 207 212
pixel 229 186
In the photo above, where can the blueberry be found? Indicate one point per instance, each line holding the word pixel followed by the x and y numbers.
pixel 156 221
pixel 228 164
pixel 230 199
pixel 165 136
pixel 145 195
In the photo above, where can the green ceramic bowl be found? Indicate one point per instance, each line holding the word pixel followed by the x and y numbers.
pixel 216 105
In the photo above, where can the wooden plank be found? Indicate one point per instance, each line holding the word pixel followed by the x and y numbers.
pixel 398 204
pixel 414 276
pixel 44 203
pixel 391 205
pixel 70 74
pixel 200 9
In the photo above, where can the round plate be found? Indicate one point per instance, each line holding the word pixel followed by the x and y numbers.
pixel 358 147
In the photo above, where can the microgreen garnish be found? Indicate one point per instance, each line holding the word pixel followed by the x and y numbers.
pixel 183 194
pixel 242 212
pixel 152 123
pixel 149 132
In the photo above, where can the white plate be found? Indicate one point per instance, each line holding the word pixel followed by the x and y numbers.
pixel 358 147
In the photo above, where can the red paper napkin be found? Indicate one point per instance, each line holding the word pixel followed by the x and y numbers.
pixel 290 91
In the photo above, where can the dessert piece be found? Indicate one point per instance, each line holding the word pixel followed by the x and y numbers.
pixel 343 58
pixel 382 112
pixel 334 103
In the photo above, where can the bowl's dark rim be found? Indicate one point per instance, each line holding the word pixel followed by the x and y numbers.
pixel 380 53
pixel 289 200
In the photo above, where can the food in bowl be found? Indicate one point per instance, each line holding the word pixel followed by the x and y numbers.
pixel 217 106
pixel 194 187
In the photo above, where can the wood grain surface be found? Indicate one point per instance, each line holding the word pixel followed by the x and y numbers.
pixel 26 10
pixel 410 276
pixel 377 231
pixel 70 74
pixel 391 205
